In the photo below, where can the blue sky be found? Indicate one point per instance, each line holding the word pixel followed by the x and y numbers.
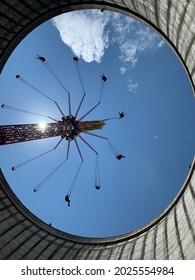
pixel 157 135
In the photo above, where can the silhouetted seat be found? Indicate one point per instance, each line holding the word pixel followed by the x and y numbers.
pixel 75 58
pixel 120 156
pixel 121 114
pixel 104 79
pixel 67 199
pixel 41 58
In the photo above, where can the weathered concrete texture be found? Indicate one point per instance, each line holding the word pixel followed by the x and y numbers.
pixel 172 234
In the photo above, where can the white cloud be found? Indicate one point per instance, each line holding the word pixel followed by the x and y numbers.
pixel 132 87
pixel 84 33
pixel 88 35
pixel 134 41
pixel 122 25
pixel 123 70
pixel 160 44
pixel 128 52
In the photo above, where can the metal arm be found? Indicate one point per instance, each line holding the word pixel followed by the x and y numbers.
pixel 88 144
pixel 68 149
pixel 96 135
pixel 89 111
pixel 78 148
pixel 76 114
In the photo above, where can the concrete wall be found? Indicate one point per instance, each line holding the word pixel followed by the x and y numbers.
pixel 169 236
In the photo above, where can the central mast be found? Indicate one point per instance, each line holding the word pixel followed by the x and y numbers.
pixel 68 128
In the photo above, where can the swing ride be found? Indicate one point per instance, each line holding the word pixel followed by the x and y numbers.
pixel 69 128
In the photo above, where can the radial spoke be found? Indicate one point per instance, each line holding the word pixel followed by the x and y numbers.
pixel 18 77
pixel 42 183
pixel 52 72
pixel 24 111
pixel 97 174
pixel 75 58
pixel 89 111
pixel 103 80
pixel 68 149
pixel 34 158
pixel 88 144
pixel 74 180
pixel 69 105
pixel 96 135
pixel 60 109
pixel 112 148
pixel 76 114
pixel 75 140
pixel 117 155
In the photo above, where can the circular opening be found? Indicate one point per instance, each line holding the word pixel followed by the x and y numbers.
pixel 147 97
